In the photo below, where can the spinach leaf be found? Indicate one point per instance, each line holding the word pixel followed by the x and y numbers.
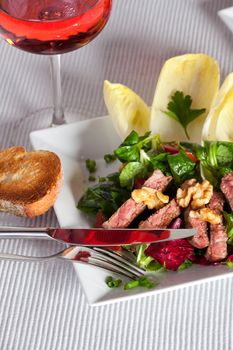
pixel 114 177
pixel 160 162
pixel 107 197
pixel 182 167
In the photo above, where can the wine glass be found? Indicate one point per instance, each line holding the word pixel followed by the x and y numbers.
pixel 52 27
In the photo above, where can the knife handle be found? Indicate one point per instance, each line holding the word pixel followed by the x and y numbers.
pixel 9 232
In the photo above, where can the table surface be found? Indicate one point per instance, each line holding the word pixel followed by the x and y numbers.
pixel 42 305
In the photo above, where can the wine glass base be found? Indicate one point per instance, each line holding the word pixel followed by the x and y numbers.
pixel 17 132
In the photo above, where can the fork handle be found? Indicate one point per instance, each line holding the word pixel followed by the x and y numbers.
pixel 9 232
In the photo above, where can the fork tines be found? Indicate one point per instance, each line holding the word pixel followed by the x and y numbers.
pixel 119 262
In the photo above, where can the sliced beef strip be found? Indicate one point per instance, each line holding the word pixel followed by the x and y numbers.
pixel 125 214
pixel 217 202
pixel 158 181
pixel 163 217
pixel 217 249
pixel 227 188
pixel 200 239
pixel 130 209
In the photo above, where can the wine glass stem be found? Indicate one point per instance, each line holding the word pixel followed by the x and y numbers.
pixel 58 112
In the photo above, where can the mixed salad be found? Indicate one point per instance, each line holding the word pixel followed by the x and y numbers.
pixel 171 184
pixel 178 167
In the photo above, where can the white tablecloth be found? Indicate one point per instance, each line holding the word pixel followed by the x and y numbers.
pixel 42 306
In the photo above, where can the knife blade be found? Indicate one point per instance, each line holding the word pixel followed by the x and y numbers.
pixel 97 236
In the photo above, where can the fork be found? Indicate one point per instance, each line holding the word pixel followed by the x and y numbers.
pixel 99 257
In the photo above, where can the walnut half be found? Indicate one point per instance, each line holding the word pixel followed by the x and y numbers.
pixel 194 193
pixel 206 214
pixel 151 198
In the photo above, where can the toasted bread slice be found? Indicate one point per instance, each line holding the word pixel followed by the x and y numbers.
pixel 29 181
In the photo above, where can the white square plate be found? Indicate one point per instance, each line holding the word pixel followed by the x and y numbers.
pixel 75 143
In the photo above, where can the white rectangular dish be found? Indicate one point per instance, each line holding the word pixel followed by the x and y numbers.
pixel 92 139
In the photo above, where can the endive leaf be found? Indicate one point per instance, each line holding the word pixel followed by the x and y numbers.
pixel 126 109
pixel 196 75
pixel 219 123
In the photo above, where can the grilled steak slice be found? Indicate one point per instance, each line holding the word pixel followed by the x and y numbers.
pixel 217 249
pixel 130 209
pixel 200 239
pixel 125 214
pixel 163 217
pixel 227 188
pixel 158 181
pixel 217 202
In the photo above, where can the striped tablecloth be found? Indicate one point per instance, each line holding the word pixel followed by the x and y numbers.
pixel 42 306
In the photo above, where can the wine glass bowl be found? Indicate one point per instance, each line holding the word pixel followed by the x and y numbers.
pixel 52 26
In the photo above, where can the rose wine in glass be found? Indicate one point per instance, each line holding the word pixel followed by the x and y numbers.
pixel 52 27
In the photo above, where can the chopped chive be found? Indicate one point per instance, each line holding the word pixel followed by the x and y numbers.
pixel 91 165
pixel 141 282
pixel 109 158
pixel 102 179
pixel 131 284
pixel 113 282
pixel 229 264
pixel 146 282
pixel 91 178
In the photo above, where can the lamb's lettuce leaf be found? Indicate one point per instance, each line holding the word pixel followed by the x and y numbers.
pixel 216 160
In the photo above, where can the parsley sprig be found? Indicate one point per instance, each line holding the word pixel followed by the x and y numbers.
pixel 179 108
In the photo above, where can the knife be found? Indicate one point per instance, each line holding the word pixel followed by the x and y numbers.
pixel 96 236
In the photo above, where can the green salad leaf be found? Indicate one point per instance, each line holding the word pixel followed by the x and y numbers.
pixel 130 172
pixel 182 167
pixel 179 108
pixel 185 265
pixel 145 261
pixel 229 226
pixel 229 264
pixel 129 150
pixel 160 161
pixel 139 155
pixel 216 159
pixel 107 197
